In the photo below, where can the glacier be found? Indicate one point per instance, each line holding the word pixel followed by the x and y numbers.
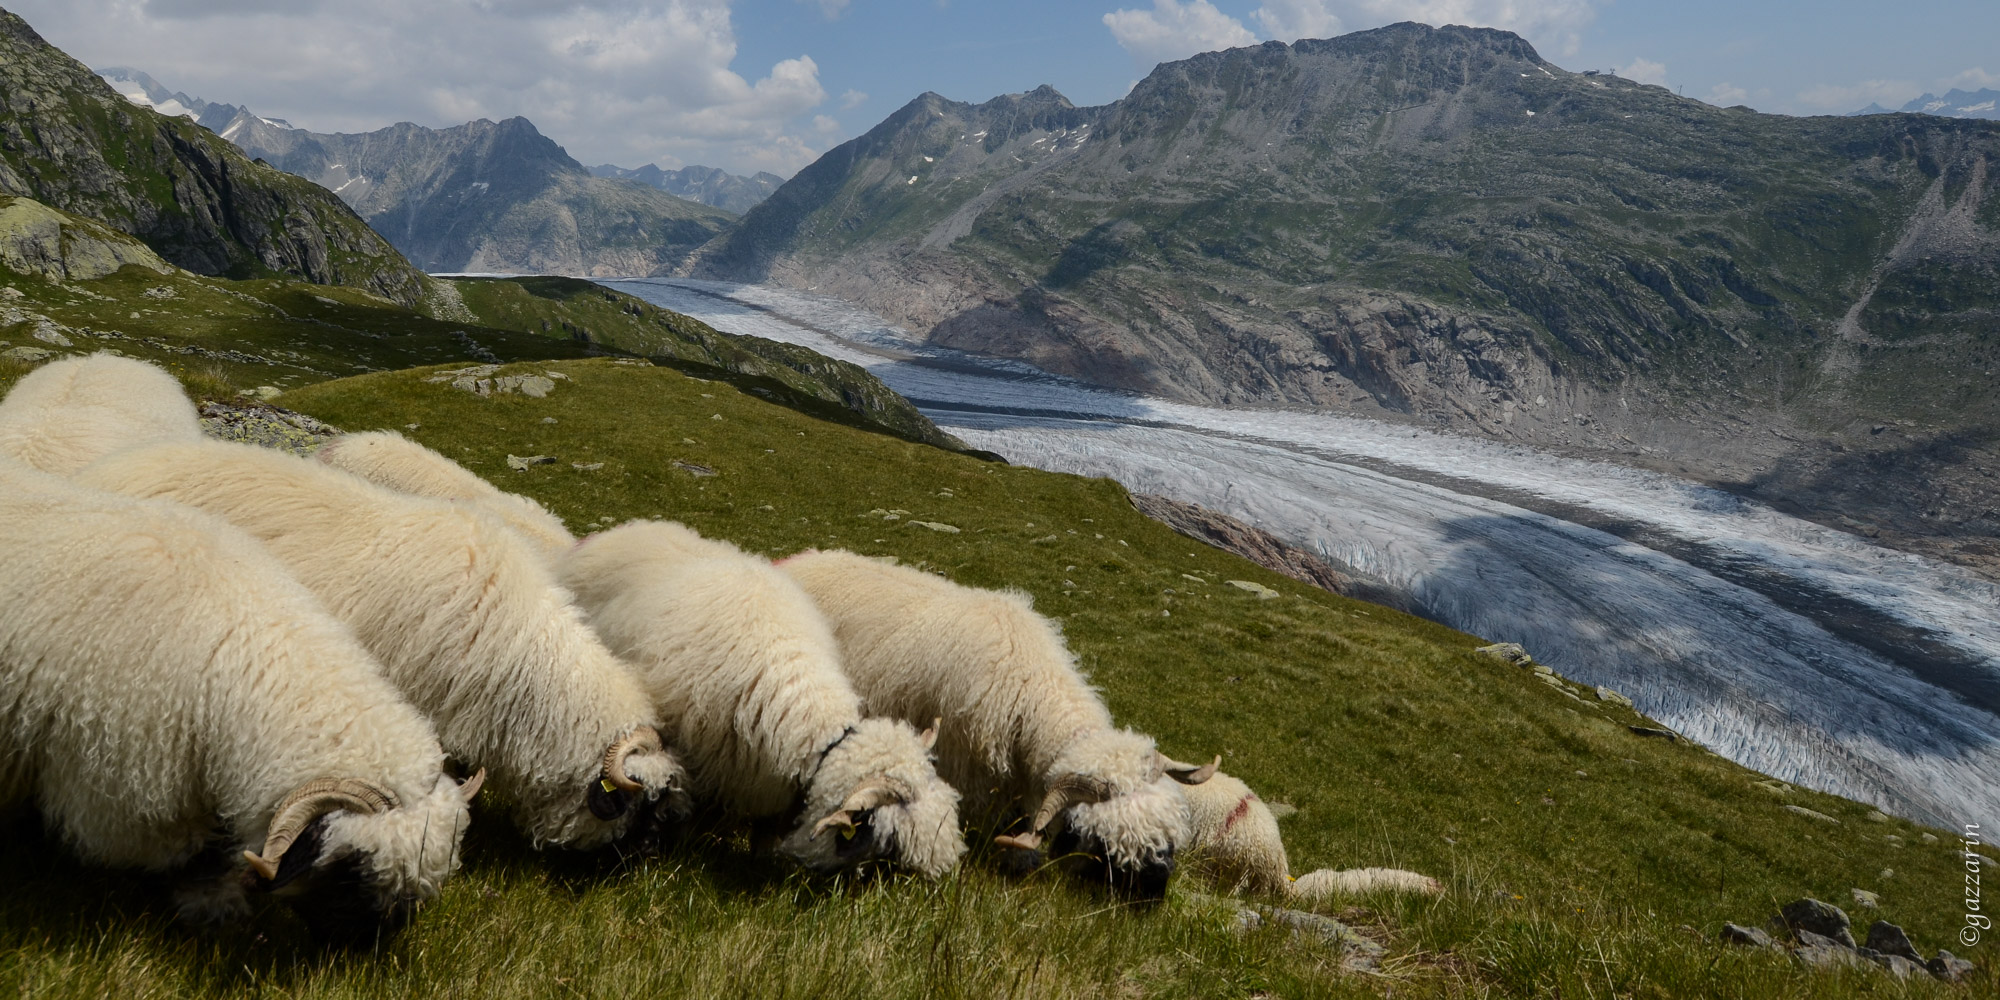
pixel 1797 650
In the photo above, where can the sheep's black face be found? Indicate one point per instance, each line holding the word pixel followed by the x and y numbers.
pixel 1086 856
pixel 607 804
pixel 652 822
pixel 334 896
pixel 865 843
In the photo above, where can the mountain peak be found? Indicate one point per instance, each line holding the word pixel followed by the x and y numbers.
pixel 1427 41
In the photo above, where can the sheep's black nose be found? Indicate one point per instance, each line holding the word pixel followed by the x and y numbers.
pixel 606 803
pixel 1148 881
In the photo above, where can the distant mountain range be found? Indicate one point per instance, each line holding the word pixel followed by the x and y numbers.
pixel 1438 225
pixel 708 185
pixel 483 196
pixel 1955 104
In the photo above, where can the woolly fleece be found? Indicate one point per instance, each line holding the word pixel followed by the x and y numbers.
pixel 1017 712
pixel 746 677
pixel 386 458
pixel 1236 842
pixel 464 617
pixel 69 413
pixel 1237 848
pixel 165 682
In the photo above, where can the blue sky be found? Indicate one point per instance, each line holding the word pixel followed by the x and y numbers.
pixel 1784 57
pixel 770 84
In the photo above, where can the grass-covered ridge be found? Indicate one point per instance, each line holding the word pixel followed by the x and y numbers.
pixel 1397 744
pixel 279 334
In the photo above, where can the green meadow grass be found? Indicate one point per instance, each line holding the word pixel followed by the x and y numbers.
pixel 1581 860
pixel 224 336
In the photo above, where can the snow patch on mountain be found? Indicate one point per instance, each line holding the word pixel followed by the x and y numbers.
pixel 1955 103
pixel 147 92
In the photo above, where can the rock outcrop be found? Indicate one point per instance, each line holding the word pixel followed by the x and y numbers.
pixel 1822 936
pixel 36 239
pixel 1246 540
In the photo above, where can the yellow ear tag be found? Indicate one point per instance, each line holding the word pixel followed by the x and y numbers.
pixel 847 833
pixel 605 783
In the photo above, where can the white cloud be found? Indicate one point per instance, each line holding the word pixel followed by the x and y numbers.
pixel 624 81
pixel 1972 79
pixel 852 99
pixel 1645 71
pixel 1291 20
pixel 1175 30
pixel 1727 95
pixel 1835 99
pixel 1554 24
pixel 831 8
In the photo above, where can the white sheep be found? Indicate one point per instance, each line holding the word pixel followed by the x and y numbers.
pixel 1236 846
pixel 1020 724
pixel 466 620
pixel 165 685
pixel 746 677
pixel 66 414
pixel 386 458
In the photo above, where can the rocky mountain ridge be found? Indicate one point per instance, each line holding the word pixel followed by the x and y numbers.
pixel 69 141
pixel 1956 103
pixel 708 185
pixel 487 196
pixel 1437 225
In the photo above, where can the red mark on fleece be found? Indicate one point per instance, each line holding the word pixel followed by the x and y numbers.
pixel 795 555
pixel 1242 809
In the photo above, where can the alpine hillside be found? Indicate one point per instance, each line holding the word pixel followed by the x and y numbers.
pixel 68 140
pixel 1438 225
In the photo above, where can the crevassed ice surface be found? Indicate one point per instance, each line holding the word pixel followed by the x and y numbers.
pixel 1797 650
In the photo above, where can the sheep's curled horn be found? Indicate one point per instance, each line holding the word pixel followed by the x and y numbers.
pixel 858 801
pixel 642 738
pixel 1075 789
pixel 1066 791
pixel 1187 774
pixel 316 798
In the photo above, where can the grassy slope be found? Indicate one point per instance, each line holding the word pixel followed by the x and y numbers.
pixel 1398 746
pixel 794 376
pixel 228 335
